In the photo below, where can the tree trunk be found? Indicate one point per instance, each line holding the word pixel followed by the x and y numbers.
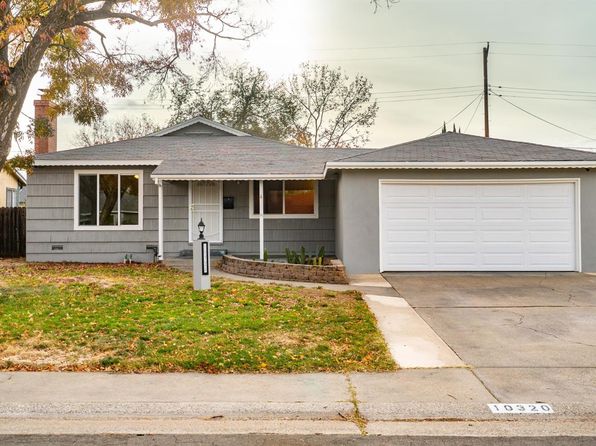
pixel 10 109
pixel 13 94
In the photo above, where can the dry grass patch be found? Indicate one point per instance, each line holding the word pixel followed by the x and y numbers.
pixel 148 318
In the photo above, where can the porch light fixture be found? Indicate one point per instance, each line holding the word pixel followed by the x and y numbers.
pixel 201 229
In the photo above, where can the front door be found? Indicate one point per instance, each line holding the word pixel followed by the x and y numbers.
pixel 206 202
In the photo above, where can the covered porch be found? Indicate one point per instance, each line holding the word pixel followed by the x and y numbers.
pixel 246 217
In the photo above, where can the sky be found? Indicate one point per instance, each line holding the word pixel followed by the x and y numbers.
pixel 424 58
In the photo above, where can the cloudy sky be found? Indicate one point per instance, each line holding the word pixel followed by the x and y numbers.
pixel 424 58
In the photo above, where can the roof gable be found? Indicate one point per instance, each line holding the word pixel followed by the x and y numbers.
pixel 199 126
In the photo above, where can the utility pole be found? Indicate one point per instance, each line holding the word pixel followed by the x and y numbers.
pixel 485 65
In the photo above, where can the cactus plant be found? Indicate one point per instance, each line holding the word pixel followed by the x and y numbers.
pixel 301 258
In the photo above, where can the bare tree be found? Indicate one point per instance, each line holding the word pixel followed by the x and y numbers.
pixel 106 131
pixel 331 110
pixel 383 3
pixel 243 98
pixel 318 107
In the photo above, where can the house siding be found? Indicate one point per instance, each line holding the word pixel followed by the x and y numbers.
pixel 7 181
pixel 358 208
pixel 50 221
pixel 241 233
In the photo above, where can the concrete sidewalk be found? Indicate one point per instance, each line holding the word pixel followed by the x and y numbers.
pixel 411 341
pixel 427 402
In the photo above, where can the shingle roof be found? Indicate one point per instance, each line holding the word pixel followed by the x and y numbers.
pixel 221 157
pixel 212 155
pixel 458 147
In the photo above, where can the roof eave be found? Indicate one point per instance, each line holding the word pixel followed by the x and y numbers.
pixel 255 176
pixel 16 175
pixel 74 163
pixel 462 165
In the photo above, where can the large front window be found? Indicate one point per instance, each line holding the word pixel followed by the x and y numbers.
pixel 295 198
pixel 108 200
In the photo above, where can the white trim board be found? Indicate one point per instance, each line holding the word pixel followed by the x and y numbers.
pixel 461 165
pixel 118 227
pixel 577 204
pixel 84 163
pixel 199 120
pixel 241 177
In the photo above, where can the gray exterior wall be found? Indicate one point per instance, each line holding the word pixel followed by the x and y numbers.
pixel 50 221
pixel 241 234
pixel 357 236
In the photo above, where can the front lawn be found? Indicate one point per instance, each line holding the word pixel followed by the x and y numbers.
pixel 148 318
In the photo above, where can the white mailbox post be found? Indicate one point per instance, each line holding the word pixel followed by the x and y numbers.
pixel 201 261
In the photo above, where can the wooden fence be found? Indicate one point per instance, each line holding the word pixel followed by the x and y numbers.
pixel 12 232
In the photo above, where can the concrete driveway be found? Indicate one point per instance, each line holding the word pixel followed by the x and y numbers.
pixel 526 336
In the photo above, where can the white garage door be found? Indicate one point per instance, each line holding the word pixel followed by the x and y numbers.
pixel 478 226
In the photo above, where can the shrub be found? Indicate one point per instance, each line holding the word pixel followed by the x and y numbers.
pixel 301 258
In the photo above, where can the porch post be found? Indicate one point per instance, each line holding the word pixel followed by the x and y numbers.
pixel 159 220
pixel 261 223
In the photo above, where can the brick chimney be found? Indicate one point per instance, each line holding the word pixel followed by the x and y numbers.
pixel 45 144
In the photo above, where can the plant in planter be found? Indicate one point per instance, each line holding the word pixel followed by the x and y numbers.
pixel 301 258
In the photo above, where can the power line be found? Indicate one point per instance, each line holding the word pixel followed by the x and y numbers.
pixel 456 115
pixel 418 56
pixel 426 89
pixel 584 56
pixel 545 90
pixel 544 120
pixel 430 93
pixel 473 114
pixel 420 45
pixel 442 44
pixel 427 99
pixel 500 42
pixel 549 98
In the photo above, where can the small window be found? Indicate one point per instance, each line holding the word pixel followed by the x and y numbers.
pixel 295 198
pixel 108 200
pixel 12 200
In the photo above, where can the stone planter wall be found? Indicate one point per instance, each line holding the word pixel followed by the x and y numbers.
pixel 335 272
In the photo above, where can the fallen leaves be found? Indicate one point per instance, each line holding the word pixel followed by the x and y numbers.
pixel 132 318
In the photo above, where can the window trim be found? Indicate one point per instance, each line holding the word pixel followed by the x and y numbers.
pixel 252 215
pixel 15 196
pixel 78 173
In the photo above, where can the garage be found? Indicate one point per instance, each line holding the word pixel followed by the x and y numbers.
pixel 479 225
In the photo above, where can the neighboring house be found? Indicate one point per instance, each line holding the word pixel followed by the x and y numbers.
pixel 450 202
pixel 12 188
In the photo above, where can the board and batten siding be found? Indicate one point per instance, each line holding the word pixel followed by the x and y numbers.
pixel 50 222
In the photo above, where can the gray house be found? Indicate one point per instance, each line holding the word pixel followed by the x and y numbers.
pixel 451 202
